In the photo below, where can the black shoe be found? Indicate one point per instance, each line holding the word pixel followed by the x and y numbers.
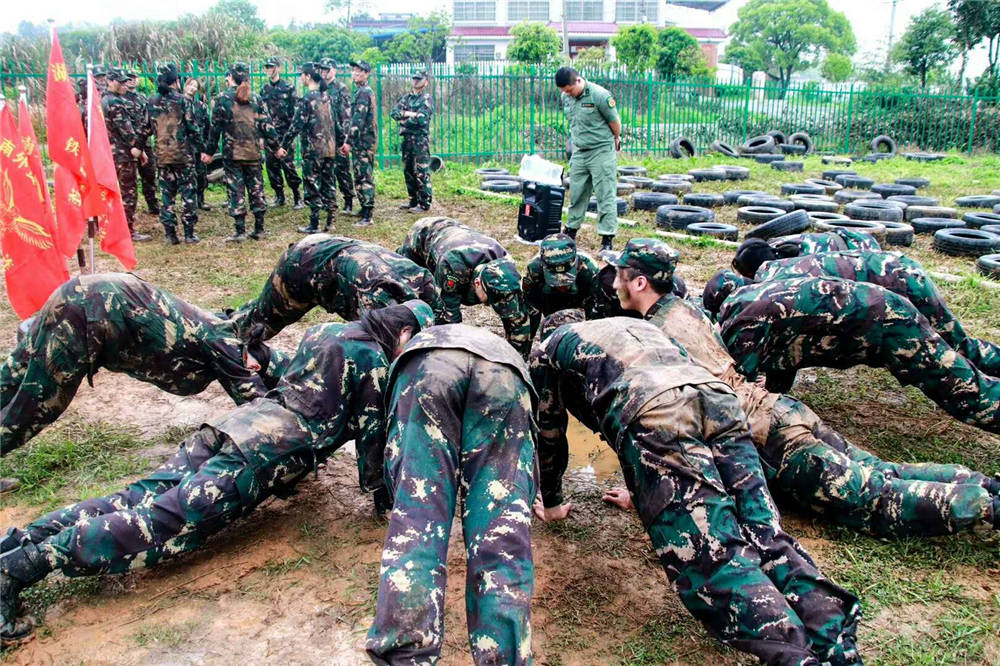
pixel 237 237
pixel 348 208
pixel 258 229
pixel 606 242
pixel 330 220
pixel 20 568
pixel 172 239
pixel 313 228
pixel 204 206
pixel 365 219
pixel 279 200
pixel 14 538
pixel 418 209
pixel 141 238
pixel 153 210
pixel 407 206
pixel 297 203
pixel 570 232
pixel 191 238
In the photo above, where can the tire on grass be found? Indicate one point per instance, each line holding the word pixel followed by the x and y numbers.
pixel 978 220
pixel 652 200
pixel 804 140
pixel 785 165
pixel 768 158
pixel 640 182
pixel 823 216
pixel 977 201
pixel 989 265
pixel 757 145
pixel 966 242
pixel 758 214
pixel 702 175
pixel 898 233
pixel 703 199
pixel 913 181
pixel 814 203
pixel 829 186
pixel 778 136
pixel 681 147
pixel 876 229
pixel 930 211
pixel 676 216
pixel 621 205
pixel 769 201
pixel 631 170
pixel 893 190
pixel 791 149
pixel 884 144
pixel 672 186
pixel 492 171
pixel 831 174
pixel 502 185
pixel 930 225
pixel 802 188
pixel 847 196
pixel 730 197
pixel 784 225
pixel 874 210
pixel 723 148
pixel 914 200
pixel 855 182
pixel 715 229
pixel 734 172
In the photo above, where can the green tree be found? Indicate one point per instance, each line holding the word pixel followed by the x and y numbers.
pixel 534 43
pixel 243 11
pixel 636 46
pixel 926 45
pixel 372 55
pixel 781 37
pixel 423 41
pixel 592 57
pixel 975 21
pixel 351 8
pixel 322 41
pixel 836 68
pixel 678 54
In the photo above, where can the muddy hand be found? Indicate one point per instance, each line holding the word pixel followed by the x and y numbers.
pixel 620 497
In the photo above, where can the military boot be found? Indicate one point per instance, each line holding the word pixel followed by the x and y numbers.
pixel 348 208
pixel 279 199
pixel 570 232
pixel 297 203
pixel 201 203
pixel 258 227
pixel 365 216
pixel 136 236
pixel 14 538
pixel 20 568
pixel 329 220
pixel 171 236
pixel 313 224
pixel 240 226
pixel 606 241
pixel 408 206
pixel 189 235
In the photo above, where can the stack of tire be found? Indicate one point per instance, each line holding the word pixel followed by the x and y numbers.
pixel 773 148
pixel 498 180
pixel 976 234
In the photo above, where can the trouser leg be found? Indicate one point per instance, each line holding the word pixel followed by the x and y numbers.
pixel 328 185
pixel 187 189
pixel 147 174
pixel 253 176
pixel 168 192
pixel 604 172
pixel 128 185
pixel 236 189
pixel 580 186
pixel 363 162
pixel 342 166
pixel 422 170
pixel 274 174
pixel 408 155
pixel 311 179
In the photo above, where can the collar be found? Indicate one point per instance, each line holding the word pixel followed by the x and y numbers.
pixel 659 306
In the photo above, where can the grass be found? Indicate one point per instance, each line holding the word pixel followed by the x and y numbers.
pixel 162 636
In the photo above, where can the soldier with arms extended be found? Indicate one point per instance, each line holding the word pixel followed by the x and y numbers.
pixel 687 458
pixel 321 134
pixel 802 457
pixel 470 268
pixel 279 98
pixel 361 140
pixel 330 393
pixel 340 102
pixel 239 119
pixel 147 170
pixel 202 119
pixel 127 142
pixel 460 426
pixel 413 112
pixel 178 137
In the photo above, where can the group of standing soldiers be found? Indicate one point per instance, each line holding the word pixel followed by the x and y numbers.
pixel 337 131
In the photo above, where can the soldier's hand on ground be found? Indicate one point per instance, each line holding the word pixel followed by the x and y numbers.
pixel 281 153
pixel 620 497
pixel 552 514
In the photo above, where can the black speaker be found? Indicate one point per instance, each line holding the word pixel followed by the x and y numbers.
pixel 541 211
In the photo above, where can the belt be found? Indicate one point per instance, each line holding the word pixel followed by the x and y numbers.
pixel 585 150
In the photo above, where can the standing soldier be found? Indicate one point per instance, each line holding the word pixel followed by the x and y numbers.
pixel 147 171
pixel 201 116
pixel 413 113
pixel 238 118
pixel 595 130
pixel 361 140
pixel 125 145
pixel 340 98
pixel 279 99
pixel 321 134
pixel 178 138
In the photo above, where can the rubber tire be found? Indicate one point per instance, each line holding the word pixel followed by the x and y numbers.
pixel 836 159
pixel 989 266
pixel 914 200
pixel 623 188
pixel 979 220
pixel 878 231
pixel 631 170
pixel 791 149
pixel 831 174
pixel 809 204
pixel 723 148
pixel 778 136
pixel 703 199
pixel 675 176
pixel 715 229
pixel 768 158
pixel 640 182
pixel 785 165
pixel 804 140
pixel 678 217
pixel 681 147
pixel 874 210
pixel 930 211
pixel 730 197
pixel 802 188
pixel 992 228
pixel 621 204
pixel 652 200
pixel 855 182
pixel 492 171
pixel 757 214
pixel 770 201
pixel 893 189
pixel 758 145
pixel 847 196
pixel 735 172
pixel 501 185
pixel 785 225
pixel 823 216
pixel 672 186
pixel 966 242
pixel 898 233
pixel 924 157
pixel 829 186
pixel 977 201
pixel 996 209
pixel 913 181
pixel 930 225
pixel 877 142
pixel 702 175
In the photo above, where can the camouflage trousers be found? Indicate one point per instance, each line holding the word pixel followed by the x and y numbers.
pixel 462 428
pixel 342 169
pixel 320 184
pixel 147 175
pixel 201 177
pixel 245 179
pixel 178 179
pixel 719 539
pixel 363 160
pixel 417 168
pixel 127 170
pixel 816 467
pixel 282 169
pixel 207 484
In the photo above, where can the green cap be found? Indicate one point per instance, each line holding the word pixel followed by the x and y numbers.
pixel 422 311
pixel 650 257
pixel 119 75
pixel 499 277
pixel 239 68
pixel 272 62
pixel 325 63
pixel 363 65
pixel 419 74
pixel 558 253
pixel 99 71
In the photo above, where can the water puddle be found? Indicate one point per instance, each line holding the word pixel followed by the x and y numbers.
pixel 587 449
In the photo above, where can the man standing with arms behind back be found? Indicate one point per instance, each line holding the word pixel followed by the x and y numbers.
pixel 595 130
pixel 413 112
pixel 361 138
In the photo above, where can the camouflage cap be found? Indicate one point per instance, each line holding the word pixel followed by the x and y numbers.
pixel 422 311
pixel 130 74
pixel 363 65
pixel 118 75
pixel 272 62
pixel 325 63
pixel 99 71
pixel 419 74
pixel 499 277
pixel 239 68
pixel 309 68
pixel 558 253
pixel 557 319
pixel 650 257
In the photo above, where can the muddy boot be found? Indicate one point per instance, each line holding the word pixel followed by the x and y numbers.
pixel 297 203
pixel 14 538
pixel 279 199
pixel 201 203
pixel 570 232
pixel 330 220
pixel 136 236
pixel 313 224
pixel 407 206
pixel 366 218
pixel 258 228
pixel 171 237
pixel 8 484
pixel 19 569
pixel 189 235
pixel 348 208
pixel 606 241
pixel 240 226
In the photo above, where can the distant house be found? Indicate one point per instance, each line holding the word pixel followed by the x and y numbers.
pixel 481 28
pixel 382 29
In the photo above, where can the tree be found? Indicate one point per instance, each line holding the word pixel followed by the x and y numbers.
pixel 347 6
pixel 781 37
pixel 927 44
pixel 636 46
pixel 322 41
pixel 372 55
pixel 678 54
pixel 976 20
pixel 423 41
pixel 243 11
pixel 534 43
pixel 836 68
pixel 592 57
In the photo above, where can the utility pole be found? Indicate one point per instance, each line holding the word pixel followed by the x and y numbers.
pixel 892 23
pixel 565 27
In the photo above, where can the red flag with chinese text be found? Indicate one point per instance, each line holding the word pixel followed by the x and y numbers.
pixel 112 225
pixel 72 225
pixel 30 144
pixel 33 267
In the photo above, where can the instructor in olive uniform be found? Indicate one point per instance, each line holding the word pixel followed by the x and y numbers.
pixel 595 130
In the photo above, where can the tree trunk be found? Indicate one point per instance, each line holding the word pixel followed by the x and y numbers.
pixel 961 72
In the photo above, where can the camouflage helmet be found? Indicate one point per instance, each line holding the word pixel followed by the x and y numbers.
pixel 422 311
pixel 558 255
pixel 98 71
pixel 650 257
pixel 239 71
pixel 557 319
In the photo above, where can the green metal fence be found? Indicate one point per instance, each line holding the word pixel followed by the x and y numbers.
pixel 493 111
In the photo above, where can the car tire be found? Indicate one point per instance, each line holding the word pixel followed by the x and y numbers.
pixel 735 172
pixel 804 140
pixel 979 220
pixel 769 201
pixel 930 211
pixel 730 197
pixel 989 265
pixel 778 136
pixel 758 145
pixel 791 149
pixel 703 199
pixel 631 170
pixel 784 225
pixel 829 186
pixel 802 188
pixel 930 225
pixel 723 148
pixel 621 205
pixel 652 200
pixel 831 174
pixel 814 203
pixel 847 196
pixel 703 175
pixel 966 242
pixel 913 181
pixel 914 200
pixel 492 171
pixel 757 214
pixel 677 216
pixel 640 182
pixel 624 188
pixel 884 144
pixel 785 165
pixel 672 186
pixel 823 216
pixel 875 210
pixel 768 158
pixel 505 185
pixel 681 147
pixel 714 229
pixel 877 230
pixel 893 190
pixel 855 182
pixel 977 201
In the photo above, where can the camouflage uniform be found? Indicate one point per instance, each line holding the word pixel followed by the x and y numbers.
pixel 828 241
pixel 460 426
pixel 362 138
pixel 344 276
pixel 456 255
pixel 898 274
pixel 342 163
pixel 119 322
pixel 781 326
pixel 559 278
pixel 241 126
pixel 138 105
pixel 178 137
pixel 814 465
pixel 687 458
pixel 280 100
pixel 321 134
pixel 718 289
pixel 415 145
pixel 124 136
pixel 203 120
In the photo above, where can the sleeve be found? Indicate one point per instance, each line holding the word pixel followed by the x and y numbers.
pixel 590 288
pixel 220 118
pixel 358 111
pixel 266 129
pixel 609 109
pixel 193 128
pixel 298 122
pixel 368 408
pixel 397 109
pixel 516 324
pixel 344 111
pixel 451 294
pixel 530 286
pixel 553 447
pixel 339 130
pixel 117 114
pixel 144 122
pixel 423 118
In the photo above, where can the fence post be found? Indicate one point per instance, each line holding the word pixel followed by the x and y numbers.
pixel 746 110
pixel 972 122
pixel 378 106
pixel 531 108
pixel 850 115
pixel 649 112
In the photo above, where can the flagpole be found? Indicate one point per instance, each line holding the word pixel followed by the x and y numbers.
pixel 91 221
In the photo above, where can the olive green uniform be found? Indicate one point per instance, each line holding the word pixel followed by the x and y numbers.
pixel 594 164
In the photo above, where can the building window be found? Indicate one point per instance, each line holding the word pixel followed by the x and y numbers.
pixel 584 10
pixel 467 52
pixel 636 10
pixel 475 10
pixel 527 10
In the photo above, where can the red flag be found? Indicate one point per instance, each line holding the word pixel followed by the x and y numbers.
pixel 67 142
pixel 32 266
pixel 30 144
pixel 116 238
pixel 69 211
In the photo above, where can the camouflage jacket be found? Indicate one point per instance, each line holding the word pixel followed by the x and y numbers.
pixel 240 126
pixel 543 299
pixel 203 120
pixel 340 105
pixel 177 133
pixel 607 373
pixel 137 104
pixel 279 100
pixel 121 128
pixel 320 131
pixel 421 104
pixel 364 122
pixel 860 265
